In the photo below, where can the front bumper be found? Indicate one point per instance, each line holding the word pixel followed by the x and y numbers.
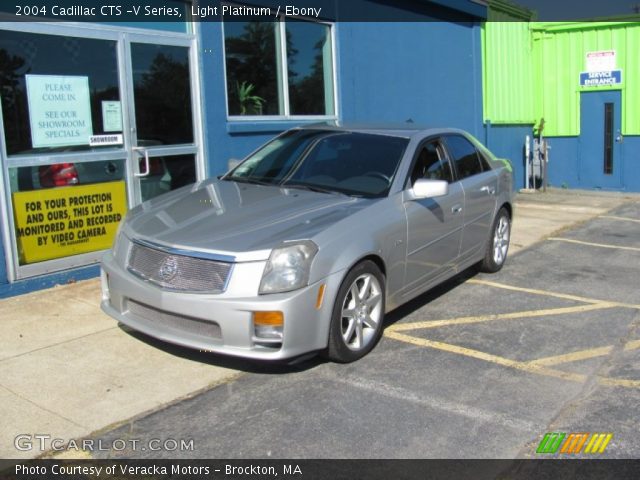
pixel 221 323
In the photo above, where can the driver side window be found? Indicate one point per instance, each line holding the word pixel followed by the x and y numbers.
pixel 431 164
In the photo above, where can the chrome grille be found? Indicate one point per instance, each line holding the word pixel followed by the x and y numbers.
pixel 178 272
pixel 156 317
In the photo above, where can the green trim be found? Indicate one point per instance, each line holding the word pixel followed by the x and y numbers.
pixel 569 26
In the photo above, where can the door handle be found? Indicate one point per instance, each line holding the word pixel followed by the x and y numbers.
pixel 144 152
pixel 488 189
pixel 456 209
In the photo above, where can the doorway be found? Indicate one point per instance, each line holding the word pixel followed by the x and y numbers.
pixel 94 120
pixel 600 140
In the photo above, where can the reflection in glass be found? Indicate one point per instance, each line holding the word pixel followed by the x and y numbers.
pixel 66 209
pixel 36 54
pixel 65 174
pixel 310 68
pixel 162 93
pixel 166 174
pixel 252 68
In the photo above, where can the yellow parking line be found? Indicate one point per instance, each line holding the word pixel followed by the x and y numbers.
pixel 487 357
pixel 573 356
pixel 539 366
pixel 506 362
pixel 551 294
pixel 499 316
pixel 625 219
pixel 590 244
pixel 583 354
pixel 619 382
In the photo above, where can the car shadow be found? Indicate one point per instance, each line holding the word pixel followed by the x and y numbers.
pixel 420 301
pixel 297 364
pixel 265 367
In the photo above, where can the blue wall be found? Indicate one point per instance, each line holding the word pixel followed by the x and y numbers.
pixel 565 169
pixel 507 141
pixel 631 163
pixel 48 281
pixel 429 72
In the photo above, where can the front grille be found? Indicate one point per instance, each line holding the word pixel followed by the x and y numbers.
pixel 178 272
pixel 156 317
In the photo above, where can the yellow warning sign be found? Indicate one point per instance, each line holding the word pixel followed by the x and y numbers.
pixel 60 222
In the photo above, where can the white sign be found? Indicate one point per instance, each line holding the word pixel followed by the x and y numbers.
pixel 59 110
pixel 602 61
pixel 112 116
pixel 99 140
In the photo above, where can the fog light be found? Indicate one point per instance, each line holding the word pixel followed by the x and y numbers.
pixel 268 325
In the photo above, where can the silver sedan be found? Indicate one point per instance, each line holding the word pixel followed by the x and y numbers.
pixel 306 244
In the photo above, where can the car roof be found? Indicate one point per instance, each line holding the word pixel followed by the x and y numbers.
pixel 407 129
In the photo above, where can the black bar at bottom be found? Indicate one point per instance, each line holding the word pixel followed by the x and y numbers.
pixel 319 469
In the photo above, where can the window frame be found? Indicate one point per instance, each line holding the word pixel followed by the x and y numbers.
pixel 281 50
pixel 481 160
pixel 446 158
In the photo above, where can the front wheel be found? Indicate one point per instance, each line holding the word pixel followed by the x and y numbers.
pixel 358 312
pixel 498 244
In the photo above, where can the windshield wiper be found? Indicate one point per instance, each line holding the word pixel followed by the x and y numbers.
pixel 312 188
pixel 253 181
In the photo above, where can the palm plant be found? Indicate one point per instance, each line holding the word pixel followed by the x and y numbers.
pixel 249 104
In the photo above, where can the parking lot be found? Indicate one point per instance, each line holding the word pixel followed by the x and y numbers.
pixel 482 367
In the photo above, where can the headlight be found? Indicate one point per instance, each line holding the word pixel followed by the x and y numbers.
pixel 288 267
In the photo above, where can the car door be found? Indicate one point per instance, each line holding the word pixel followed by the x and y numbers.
pixel 434 224
pixel 480 185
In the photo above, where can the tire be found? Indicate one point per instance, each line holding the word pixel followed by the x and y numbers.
pixel 358 314
pixel 498 243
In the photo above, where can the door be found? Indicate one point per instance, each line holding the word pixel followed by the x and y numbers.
pixel 163 146
pixel 434 224
pixel 92 121
pixel 600 139
pixel 480 185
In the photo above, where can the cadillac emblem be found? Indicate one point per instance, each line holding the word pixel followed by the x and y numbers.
pixel 168 269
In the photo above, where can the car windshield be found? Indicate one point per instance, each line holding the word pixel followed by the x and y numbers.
pixel 357 164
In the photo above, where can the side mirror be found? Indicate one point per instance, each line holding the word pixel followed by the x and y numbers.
pixel 424 188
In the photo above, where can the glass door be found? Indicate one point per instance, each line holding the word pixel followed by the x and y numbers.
pixel 93 121
pixel 163 138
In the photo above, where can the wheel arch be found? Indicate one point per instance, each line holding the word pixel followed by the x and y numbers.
pixel 375 259
pixel 508 207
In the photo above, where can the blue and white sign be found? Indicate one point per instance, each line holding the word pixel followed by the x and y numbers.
pixel 59 110
pixel 600 79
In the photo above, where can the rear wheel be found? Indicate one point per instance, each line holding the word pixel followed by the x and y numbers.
pixel 358 312
pixel 498 244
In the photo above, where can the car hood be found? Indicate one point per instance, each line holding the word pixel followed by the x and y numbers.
pixel 238 219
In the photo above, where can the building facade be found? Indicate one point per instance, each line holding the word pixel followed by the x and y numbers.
pixel 583 79
pixel 97 117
